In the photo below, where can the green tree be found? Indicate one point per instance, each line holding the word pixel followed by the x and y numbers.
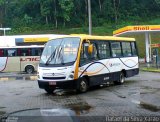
pixel 2 12
pixel 108 11
pixel 116 4
pixel 45 9
pixel 55 14
pixel 158 2
pixel 66 7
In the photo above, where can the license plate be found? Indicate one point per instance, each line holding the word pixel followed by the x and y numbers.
pixel 52 83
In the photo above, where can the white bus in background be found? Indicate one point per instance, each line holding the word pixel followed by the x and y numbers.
pixel 20 40
pixel 21 53
pixel 82 61
pixel 20 58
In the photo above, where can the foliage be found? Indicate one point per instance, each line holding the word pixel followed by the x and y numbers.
pixel 57 16
pixel 74 13
pixel 151 70
pixel 66 6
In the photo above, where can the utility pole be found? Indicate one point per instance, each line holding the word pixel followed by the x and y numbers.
pixel 89 17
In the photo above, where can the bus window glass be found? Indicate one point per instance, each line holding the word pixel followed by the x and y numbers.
pixel 50 49
pixel 104 50
pixel 69 50
pixel 18 52
pixel 25 52
pixel 94 56
pixel 134 51
pixel 12 52
pixel 37 51
pixel 1 52
pixel 85 56
pixel 5 52
pixel 116 49
pixel 126 47
pixel 60 51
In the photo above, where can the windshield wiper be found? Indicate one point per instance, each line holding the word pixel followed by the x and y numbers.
pixel 60 56
pixel 51 57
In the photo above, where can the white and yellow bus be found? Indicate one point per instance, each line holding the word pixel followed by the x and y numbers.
pixel 82 61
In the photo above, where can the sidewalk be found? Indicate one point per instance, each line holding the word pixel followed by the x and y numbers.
pixel 149 67
pixel 17 76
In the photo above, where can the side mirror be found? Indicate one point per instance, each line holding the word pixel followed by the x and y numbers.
pixel 90 48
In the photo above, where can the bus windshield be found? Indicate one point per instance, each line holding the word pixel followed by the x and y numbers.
pixel 60 51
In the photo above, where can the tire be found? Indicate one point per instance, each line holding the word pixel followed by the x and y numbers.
pixel 82 86
pixel 120 80
pixel 29 69
pixel 49 91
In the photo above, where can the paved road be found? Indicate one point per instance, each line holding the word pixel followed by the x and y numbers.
pixel 138 96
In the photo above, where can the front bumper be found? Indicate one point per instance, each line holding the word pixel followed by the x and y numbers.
pixel 71 84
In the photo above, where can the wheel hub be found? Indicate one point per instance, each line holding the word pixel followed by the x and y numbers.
pixel 83 85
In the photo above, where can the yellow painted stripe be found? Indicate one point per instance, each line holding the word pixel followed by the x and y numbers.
pixel 137 28
pixel 42 39
pixel 99 38
pixel 121 30
pixel 95 72
pixel 78 60
pixel 106 38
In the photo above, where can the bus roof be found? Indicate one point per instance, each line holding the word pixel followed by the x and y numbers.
pixel 30 46
pixel 93 37
pixel 13 40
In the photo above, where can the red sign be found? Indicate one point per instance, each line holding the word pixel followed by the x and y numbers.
pixel 29 59
pixel 139 28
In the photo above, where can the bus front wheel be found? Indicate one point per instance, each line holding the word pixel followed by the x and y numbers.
pixel 120 80
pixel 29 69
pixel 82 86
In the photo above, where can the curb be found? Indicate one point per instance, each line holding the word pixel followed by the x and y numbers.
pixel 150 70
pixel 27 78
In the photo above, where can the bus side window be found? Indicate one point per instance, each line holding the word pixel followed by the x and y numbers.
pixel 25 52
pixel 40 51
pixel 37 52
pixel 104 50
pixel 134 50
pixel 19 52
pixel 126 47
pixel 85 56
pixel 93 55
pixel 116 49
pixel 33 52
pixel 12 52
pixel 1 52
pixel 5 53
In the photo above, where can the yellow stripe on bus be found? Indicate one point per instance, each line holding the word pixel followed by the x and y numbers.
pixel 43 39
pixel 93 73
pixel 96 72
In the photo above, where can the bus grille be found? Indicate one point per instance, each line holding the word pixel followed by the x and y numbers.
pixel 53 78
